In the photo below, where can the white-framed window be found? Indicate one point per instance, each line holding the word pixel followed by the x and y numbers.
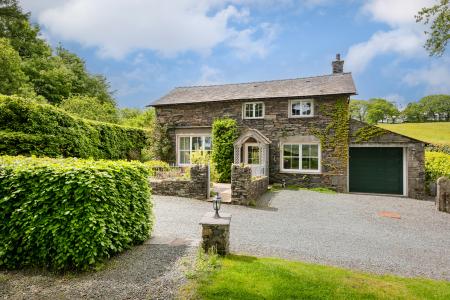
pixel 301 108
pixel 300 158
pixel 187 144
pixel 253 110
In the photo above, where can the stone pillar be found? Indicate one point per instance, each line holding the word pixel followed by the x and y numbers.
pixel 216 232
pixel 443 194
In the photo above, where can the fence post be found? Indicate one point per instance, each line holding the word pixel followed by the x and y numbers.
pixel 443 194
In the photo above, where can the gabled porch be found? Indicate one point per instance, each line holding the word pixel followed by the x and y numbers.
pixel 252 149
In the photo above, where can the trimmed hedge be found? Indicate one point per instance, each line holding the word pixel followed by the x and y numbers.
pixel 437 164
pixel 224 134
pixel 31 128
pixel 70 213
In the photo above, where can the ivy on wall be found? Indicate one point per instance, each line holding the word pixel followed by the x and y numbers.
pixel 367 133
pixel 335 136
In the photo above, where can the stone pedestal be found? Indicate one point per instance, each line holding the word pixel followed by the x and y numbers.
pixel 443 194
pixel 216 232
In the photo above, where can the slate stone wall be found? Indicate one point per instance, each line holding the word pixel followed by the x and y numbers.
pixel 244 189
pixel 196 187
pixel 275 126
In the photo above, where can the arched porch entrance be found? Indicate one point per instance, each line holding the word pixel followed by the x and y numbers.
pixel 252 149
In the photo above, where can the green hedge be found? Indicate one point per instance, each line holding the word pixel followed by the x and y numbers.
pixel 31 128
pixel 437 164
pixel 224 134
pixel 70 213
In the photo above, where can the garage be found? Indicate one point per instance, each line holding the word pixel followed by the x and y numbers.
pixel 376 170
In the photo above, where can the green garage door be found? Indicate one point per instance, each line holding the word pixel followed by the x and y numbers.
pixel 376 170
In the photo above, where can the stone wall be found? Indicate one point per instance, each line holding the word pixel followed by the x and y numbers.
pixel 443 194
pixel 196 187
pixel 415 155
pixel 275 125
pixel 244 188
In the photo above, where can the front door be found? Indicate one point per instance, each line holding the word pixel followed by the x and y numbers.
pixel 252 154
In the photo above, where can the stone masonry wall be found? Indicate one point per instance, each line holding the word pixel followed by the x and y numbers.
pixel 443 194
pixel 196 187
pixel 244 189
pixel 275 125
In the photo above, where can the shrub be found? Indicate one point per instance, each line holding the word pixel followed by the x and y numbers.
pixel 204 158
pixel 28 126
pixel 70 213
pixel 225 132
pixel 153 165
pixel 438 148
pixel 437 164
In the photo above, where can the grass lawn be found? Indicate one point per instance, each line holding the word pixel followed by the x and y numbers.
pixel 435 133
pixel 244 277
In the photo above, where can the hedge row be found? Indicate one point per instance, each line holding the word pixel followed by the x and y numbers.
pixel 70 213
pixel 437 164
pixel 31 128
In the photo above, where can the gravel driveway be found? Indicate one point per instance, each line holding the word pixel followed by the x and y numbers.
pixel 338 229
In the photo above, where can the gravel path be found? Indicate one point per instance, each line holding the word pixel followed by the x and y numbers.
pixel 150 271
pixel 338 229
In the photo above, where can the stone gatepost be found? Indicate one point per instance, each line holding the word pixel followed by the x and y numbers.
pixel 216 232
pixel 443 194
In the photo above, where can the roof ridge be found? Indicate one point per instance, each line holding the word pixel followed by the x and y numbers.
pixel 263 81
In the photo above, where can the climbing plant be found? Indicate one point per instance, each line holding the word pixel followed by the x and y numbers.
pixel 335 136
pixel 224 133
pixel 367 133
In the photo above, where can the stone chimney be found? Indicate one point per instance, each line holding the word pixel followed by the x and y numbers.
pixel 338 65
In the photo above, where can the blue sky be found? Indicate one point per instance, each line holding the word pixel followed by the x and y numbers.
pixel 145 47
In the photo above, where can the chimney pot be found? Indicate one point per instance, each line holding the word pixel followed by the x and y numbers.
pixel 338 65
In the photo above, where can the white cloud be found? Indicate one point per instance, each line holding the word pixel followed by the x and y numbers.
pixel 405 36
pixel 404 41
pixel 209 76
pixel 120 27
pixel 395 12
pixel 435 77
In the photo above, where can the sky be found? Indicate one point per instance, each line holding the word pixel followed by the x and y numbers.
pixel 147 47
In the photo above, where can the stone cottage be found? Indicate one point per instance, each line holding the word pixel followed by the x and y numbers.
pixel 297 131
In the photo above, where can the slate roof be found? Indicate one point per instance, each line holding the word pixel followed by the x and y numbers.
pixel 333 84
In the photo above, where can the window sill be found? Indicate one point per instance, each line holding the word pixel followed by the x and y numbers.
pixel 301 117
pixel 300 172
pixel 258 118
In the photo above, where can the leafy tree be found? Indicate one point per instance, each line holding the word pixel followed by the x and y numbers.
pixel 24 36
pixel 439 16
pixel 53 76
pixel 381 109
pixel 137 118
pixel 224 133
pixel 436 106
pixel 358 109
pixel 414 112
pixel 11 75
pixel 90 108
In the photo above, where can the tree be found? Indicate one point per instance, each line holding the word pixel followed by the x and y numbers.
pixel 436 107
pixel 54 76
pixel 381 109
pixel 439 16
pixel 90 108
pixel 414 112
pixel 12 77
pixel 358 109
pixel 137 118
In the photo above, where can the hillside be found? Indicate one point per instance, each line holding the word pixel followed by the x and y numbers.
pixel 435 133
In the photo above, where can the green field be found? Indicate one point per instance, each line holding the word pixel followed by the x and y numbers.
pixel 244 277
pixel 434 133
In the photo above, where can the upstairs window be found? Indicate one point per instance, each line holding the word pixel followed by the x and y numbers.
pixel 301 108
pixel 253 110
